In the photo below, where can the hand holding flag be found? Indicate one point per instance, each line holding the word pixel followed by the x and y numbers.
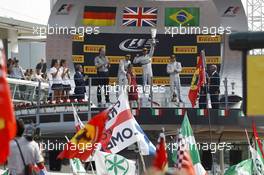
pixel 187 134
pixel 161 159
pixel 187 165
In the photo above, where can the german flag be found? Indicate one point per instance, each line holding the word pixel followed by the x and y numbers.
pixel 99 16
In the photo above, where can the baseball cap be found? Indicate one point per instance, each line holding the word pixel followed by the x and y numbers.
pixel 29 131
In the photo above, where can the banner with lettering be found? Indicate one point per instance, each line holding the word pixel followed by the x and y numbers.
pixel 122 130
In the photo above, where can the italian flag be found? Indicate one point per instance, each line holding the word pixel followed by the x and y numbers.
pixel 156 112
pixel 179 112
pixel 187 134
pixel 243 168
pixel 223 112
pixel 202 112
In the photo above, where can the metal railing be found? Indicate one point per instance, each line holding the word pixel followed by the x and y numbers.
pixel 41 93
pixel 28 91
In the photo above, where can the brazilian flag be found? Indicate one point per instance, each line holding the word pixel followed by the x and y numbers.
pixel 182 16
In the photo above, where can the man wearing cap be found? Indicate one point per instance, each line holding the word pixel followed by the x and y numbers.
pixel 173 69
pixel 24 151
pixel 145 61
pixel 122 72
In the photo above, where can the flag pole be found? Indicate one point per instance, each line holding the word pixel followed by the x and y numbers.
pixel 207 103
pixel 142 159
pixel 247 137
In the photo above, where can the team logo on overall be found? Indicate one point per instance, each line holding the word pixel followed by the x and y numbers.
pixel 116 165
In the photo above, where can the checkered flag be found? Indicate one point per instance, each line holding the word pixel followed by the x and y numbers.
pixel 181 148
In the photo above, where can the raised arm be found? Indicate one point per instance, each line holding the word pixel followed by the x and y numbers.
pixel 122 67
pixel 151 52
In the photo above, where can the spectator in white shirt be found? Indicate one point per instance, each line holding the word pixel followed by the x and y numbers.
pixel 56 74
pixel 30 151
pixel 66 84
pixel 17 71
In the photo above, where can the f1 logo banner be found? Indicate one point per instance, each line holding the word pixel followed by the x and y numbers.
pixel 64 9
pixel 185 47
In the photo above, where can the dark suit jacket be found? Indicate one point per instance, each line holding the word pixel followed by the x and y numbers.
pixel 42 67
pixel 214 86
pixel 79 83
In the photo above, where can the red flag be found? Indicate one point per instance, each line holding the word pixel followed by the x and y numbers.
pixel 84 142
pixel 257 138
pixel 7 118
pixel 198 80
pixel 161 159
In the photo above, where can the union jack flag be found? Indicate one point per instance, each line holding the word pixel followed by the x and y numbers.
pixel 140 16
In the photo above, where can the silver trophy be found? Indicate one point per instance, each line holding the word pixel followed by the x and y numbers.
pixel 153 35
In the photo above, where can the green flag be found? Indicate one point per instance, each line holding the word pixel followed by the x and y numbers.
pixel 257 160
pixel 182 16
pixel 187 134
pixel 243 168
pixel 77 166
pixel 6 172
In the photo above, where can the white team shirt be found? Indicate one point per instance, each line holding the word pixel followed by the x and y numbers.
pixel 122 70
pixel 174 69
pixel 65 79
pixel 146 61
pixel 58 78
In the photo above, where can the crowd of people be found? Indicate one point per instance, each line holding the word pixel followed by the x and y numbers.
pixel 14 70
